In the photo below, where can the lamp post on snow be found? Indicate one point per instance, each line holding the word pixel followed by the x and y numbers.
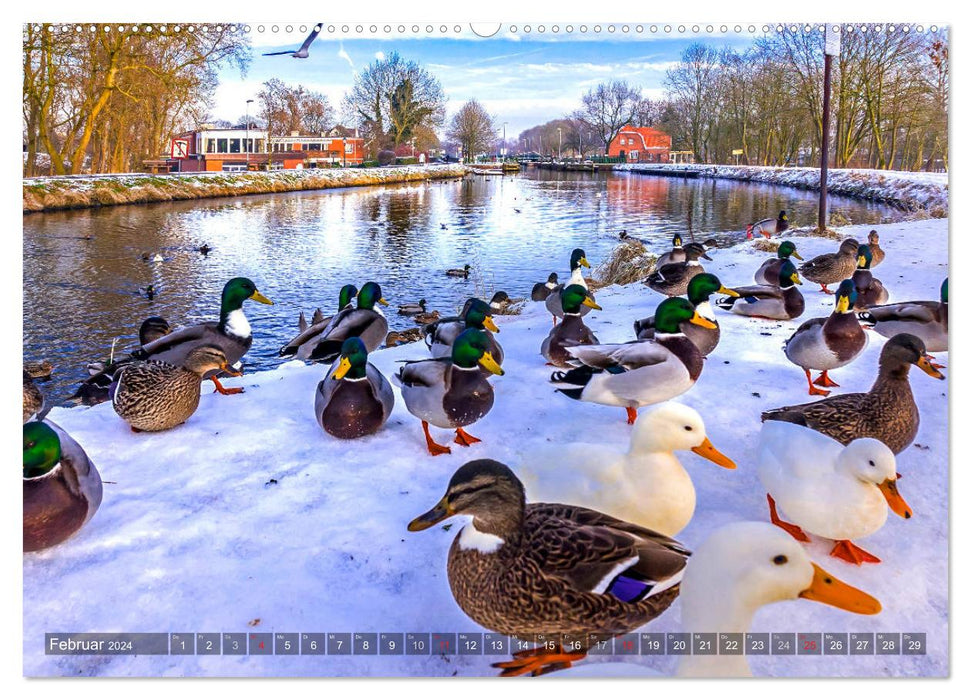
pixel 247 134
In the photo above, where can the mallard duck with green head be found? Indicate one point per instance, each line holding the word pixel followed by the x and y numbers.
pixel 353 399
pixel 153 395
pixel 827 343
pixel 578 261
pixel 925 319
pixel 768 273
pixel 675 255
pixel 832 268
pixel 672 279
pixel 232 333
pixel 781 302
pixel 62 487
pixel 441 334
pixel 365 322
pixel 768 227
pixel 887 412
pixel 869 290
pixel 306 340
pixel 522 569
pixel 572 331
pixel 641 372
pixel 451 392
pixel 700 289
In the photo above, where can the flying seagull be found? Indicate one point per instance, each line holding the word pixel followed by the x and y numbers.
pixel 304 50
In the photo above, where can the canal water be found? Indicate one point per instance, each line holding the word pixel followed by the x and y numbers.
pixel 84 270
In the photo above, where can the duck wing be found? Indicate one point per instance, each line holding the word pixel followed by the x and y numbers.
pixel 175 346
pixel 842 417
pixel 913 311
pixel 625 356
pixel 306 335
pixel 423 373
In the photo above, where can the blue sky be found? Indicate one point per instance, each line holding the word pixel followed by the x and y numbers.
pixel 523 80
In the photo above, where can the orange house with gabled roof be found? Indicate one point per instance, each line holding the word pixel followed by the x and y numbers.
pixel 641 144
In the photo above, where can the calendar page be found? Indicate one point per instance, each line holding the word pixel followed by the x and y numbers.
pixel 436 349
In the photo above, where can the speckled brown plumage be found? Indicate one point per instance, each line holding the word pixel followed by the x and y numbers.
pixel 832 268
pixel 887 412
pixel 33 398
pixel 873 240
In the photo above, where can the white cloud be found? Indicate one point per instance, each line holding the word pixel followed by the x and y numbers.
pixel 379 55
pixel 343 54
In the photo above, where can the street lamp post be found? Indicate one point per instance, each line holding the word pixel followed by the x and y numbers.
pixel 559 148
pixel 247 134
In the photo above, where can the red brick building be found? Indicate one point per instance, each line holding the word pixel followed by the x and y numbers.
pixel 641 145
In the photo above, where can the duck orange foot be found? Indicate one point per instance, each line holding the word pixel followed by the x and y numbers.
pixel 824 380
pixel 793 530
pixel 824 290
pixel 433 447
pixel 847 551
pixel 538 661
pixel 813 390
pixel 223 390
pixel 464 439
pixel 631 415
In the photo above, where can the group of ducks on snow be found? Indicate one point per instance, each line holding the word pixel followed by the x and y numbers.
pixel 607 563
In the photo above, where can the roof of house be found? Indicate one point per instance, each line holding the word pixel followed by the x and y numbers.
pixel 643 132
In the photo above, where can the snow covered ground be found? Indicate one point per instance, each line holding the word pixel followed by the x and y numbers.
pixel 921 191
pixel 249 518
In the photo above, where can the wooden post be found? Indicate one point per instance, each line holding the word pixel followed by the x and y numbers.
pixel 832 47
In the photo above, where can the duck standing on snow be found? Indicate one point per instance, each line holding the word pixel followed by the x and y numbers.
pixel 700 289
pixel 441 335
pixel 840 493
pixel 887 412
pixel 641 372
pixel 459 272
pixel 523 569
pixel 645 485
pixel 353 399
pixel 832 268
pixel 672 280
pixel 738 569
pixel 768 273
pixel 768 227
pixel 675 255
pixel 783 302
pixel 578 260
pixel 450 392
pixel 873 240
pixel 62 487
pixel 572 331
pixel 306 340
pixel 827 343
pixel 231 334
pixel 869 290
pixel 541 290
pixel 925 319
pixel 155 395
pixel 365 322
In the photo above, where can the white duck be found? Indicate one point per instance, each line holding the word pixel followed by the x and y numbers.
pixel 837 492
pixel 645 485
pixel 738 569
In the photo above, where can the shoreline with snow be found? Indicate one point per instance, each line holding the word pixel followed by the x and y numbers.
pixel 55 193
pixel 913 192
pixel 250 518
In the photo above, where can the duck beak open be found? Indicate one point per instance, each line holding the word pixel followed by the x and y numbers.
pixel 256 296
pixel 587 301
pixel 896 502
pixel 843 304
pixel 708 451
pixel 729 292
pixel 700 320
pixel 342 368
pixel 490 364
pixel 928 367
pixel 440 512
pixel 583 261
pixel 826 588
pixel 490 324
pixel 383 301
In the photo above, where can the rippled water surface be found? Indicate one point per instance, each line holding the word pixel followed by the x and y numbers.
pixel 83 270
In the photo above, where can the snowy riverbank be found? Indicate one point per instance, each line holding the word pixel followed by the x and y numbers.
pixel 918 192
pixel 249 518
pixel 51 193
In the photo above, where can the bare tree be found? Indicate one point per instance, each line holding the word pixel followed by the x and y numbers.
pixel 608 108
pixel 473 128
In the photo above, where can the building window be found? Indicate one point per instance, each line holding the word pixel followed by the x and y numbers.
pixel 222 146
pixel 349 148
pixel 234 145
pixel 210 145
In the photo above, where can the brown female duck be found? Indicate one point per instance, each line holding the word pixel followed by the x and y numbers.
pixel 540 568
pixel 887 412
pixel 832 268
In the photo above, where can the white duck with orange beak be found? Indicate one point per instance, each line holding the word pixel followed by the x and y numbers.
pixel 841 493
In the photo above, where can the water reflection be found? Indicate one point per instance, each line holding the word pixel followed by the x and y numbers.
pixel 83 270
